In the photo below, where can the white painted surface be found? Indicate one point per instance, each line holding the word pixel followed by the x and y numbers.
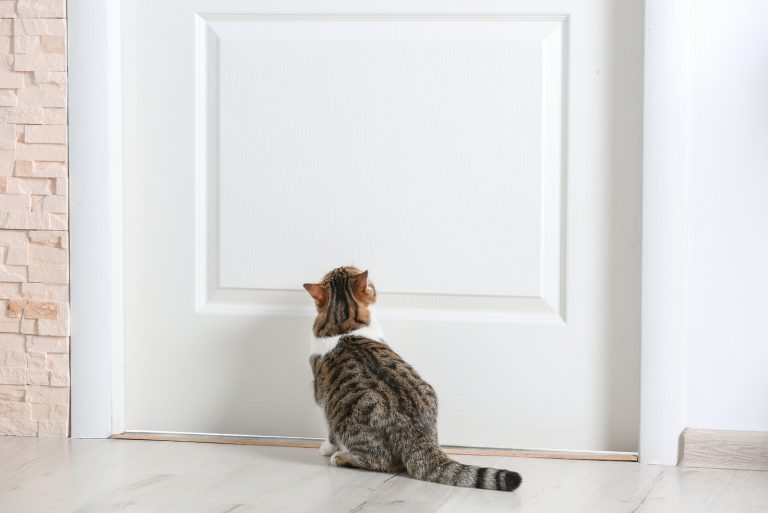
pixel 728 218
pixel 550 322
pixel 420 138
pixel 161 477
pixel 96 217
pixel 705 222
pixel 665 229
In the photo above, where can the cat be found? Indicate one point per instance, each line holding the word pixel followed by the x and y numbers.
pixel 381 415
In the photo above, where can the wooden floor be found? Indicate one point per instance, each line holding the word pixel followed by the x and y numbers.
pixel 104 476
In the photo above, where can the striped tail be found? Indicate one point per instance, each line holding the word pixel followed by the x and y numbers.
pixel 428 462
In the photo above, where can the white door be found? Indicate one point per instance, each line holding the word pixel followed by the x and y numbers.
pixel 481 159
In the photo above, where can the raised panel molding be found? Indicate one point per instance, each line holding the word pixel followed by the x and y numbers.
pixel 538 296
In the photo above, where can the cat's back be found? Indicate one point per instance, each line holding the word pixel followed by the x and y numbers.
pixel 360 371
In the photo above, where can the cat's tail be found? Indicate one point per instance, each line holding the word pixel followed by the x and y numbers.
pixel 426 461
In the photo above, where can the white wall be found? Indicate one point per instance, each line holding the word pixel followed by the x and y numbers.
pixel 727 304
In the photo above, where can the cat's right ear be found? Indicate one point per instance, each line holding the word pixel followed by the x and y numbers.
pixel 317 292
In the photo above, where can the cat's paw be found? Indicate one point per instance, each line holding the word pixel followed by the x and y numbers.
pixel 327 448
pixel 341 459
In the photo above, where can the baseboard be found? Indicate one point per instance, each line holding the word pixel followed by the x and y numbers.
pixel 740 450
pixel 314 443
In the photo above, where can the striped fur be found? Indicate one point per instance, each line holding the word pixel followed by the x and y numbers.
pixel 381 414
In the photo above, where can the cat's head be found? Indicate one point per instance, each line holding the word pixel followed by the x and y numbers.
pixel 342 299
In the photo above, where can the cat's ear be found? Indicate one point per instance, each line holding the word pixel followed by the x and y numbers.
pixel 317 292
pixel 361 287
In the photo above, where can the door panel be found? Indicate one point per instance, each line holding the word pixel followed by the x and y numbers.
pixel 480 159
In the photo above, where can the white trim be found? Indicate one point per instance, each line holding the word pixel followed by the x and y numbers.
pixel 665 179
pixel 95 217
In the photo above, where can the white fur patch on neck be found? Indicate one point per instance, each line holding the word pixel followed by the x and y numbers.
pixel 324 345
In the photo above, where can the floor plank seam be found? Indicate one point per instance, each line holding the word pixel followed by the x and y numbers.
pixel 650 489
pixel 359 507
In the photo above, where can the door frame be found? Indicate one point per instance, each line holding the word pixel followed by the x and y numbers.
pixel 95 137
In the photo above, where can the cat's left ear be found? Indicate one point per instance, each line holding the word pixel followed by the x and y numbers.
pixel 316 291
pixel 361 287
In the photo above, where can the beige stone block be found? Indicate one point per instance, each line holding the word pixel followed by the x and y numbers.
pixel 28 326
pixel 38 377
pixel 62 186
pixel 40 62
pixel 39 27
pixel 11 80
pixel 6 61
pixel 42 97
pixel 10 290
pixel 10 325
pixel 13 238
pixel 36 203
pixel 55 204
pixel 30 221
pixel 17 256
pixel 47 255
pixel 24 168
pixel 56 328
pixel 45 411
pixel 44 291
pixel 40 394
pixel 50 78
pixel 47 152
pixel 41 8
pixel 52 429
pixel 36 360
pixel 23 115
pixel 8 98
pixel 7 9
pixel 12 393
pixel 50 169
pixel 51 134
pixel 15 307
pixel 57 274
pixel 23 185
pixel 12 342
pixel 6 167
pixel 58 221
pixel 27 44
pixel 47 237
pixel 13 273
pixel 14 202
pixel 13 359
pixel 18 427
pixel 47 344
pixel 13 375
pixel 15 409
pixel 41 310
pixel 6 44
pixel 58 361
pixel 53 44
pixel 52 115
pixel 59 378
pixel 6 27
pixel 7 132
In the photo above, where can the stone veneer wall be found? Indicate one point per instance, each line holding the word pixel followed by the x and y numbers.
pixel 34 259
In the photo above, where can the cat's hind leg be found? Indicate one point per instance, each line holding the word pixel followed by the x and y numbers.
pixel 364 461
pixel 329 446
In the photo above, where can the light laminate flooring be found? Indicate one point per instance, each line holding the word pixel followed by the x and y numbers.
pixel 105 476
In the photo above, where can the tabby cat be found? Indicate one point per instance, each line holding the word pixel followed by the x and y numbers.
pixel 381 414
